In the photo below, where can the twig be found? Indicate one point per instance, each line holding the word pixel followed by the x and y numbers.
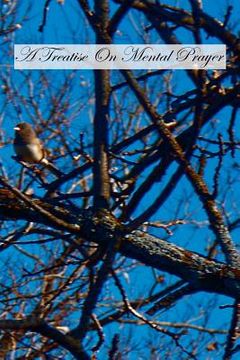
pixel 100 333
pixel 218 168
pixel 45 11
pixel 234 331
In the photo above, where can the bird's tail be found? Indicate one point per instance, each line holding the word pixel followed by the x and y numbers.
pixel 48 165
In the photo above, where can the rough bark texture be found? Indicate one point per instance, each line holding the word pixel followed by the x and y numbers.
pixel 102 227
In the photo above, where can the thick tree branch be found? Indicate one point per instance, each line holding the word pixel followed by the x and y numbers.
pixel 101 186
pixel 214 214
pixel 102 228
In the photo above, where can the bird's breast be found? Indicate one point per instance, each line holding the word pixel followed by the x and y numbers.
pixel 31 153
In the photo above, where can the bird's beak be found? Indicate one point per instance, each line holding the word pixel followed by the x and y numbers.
pixel 16 128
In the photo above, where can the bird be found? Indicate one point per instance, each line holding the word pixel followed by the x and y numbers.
pixel 29 149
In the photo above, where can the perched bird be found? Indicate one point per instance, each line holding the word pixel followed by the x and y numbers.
pixel 28 147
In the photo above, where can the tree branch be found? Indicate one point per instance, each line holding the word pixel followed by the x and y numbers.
pixel 215 217
pixel 102 228
pixel 101 185
pixel 234 331
pixel 119 15
pixel 41 327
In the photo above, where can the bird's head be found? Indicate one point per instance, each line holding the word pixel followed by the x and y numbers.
pixel 23 126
